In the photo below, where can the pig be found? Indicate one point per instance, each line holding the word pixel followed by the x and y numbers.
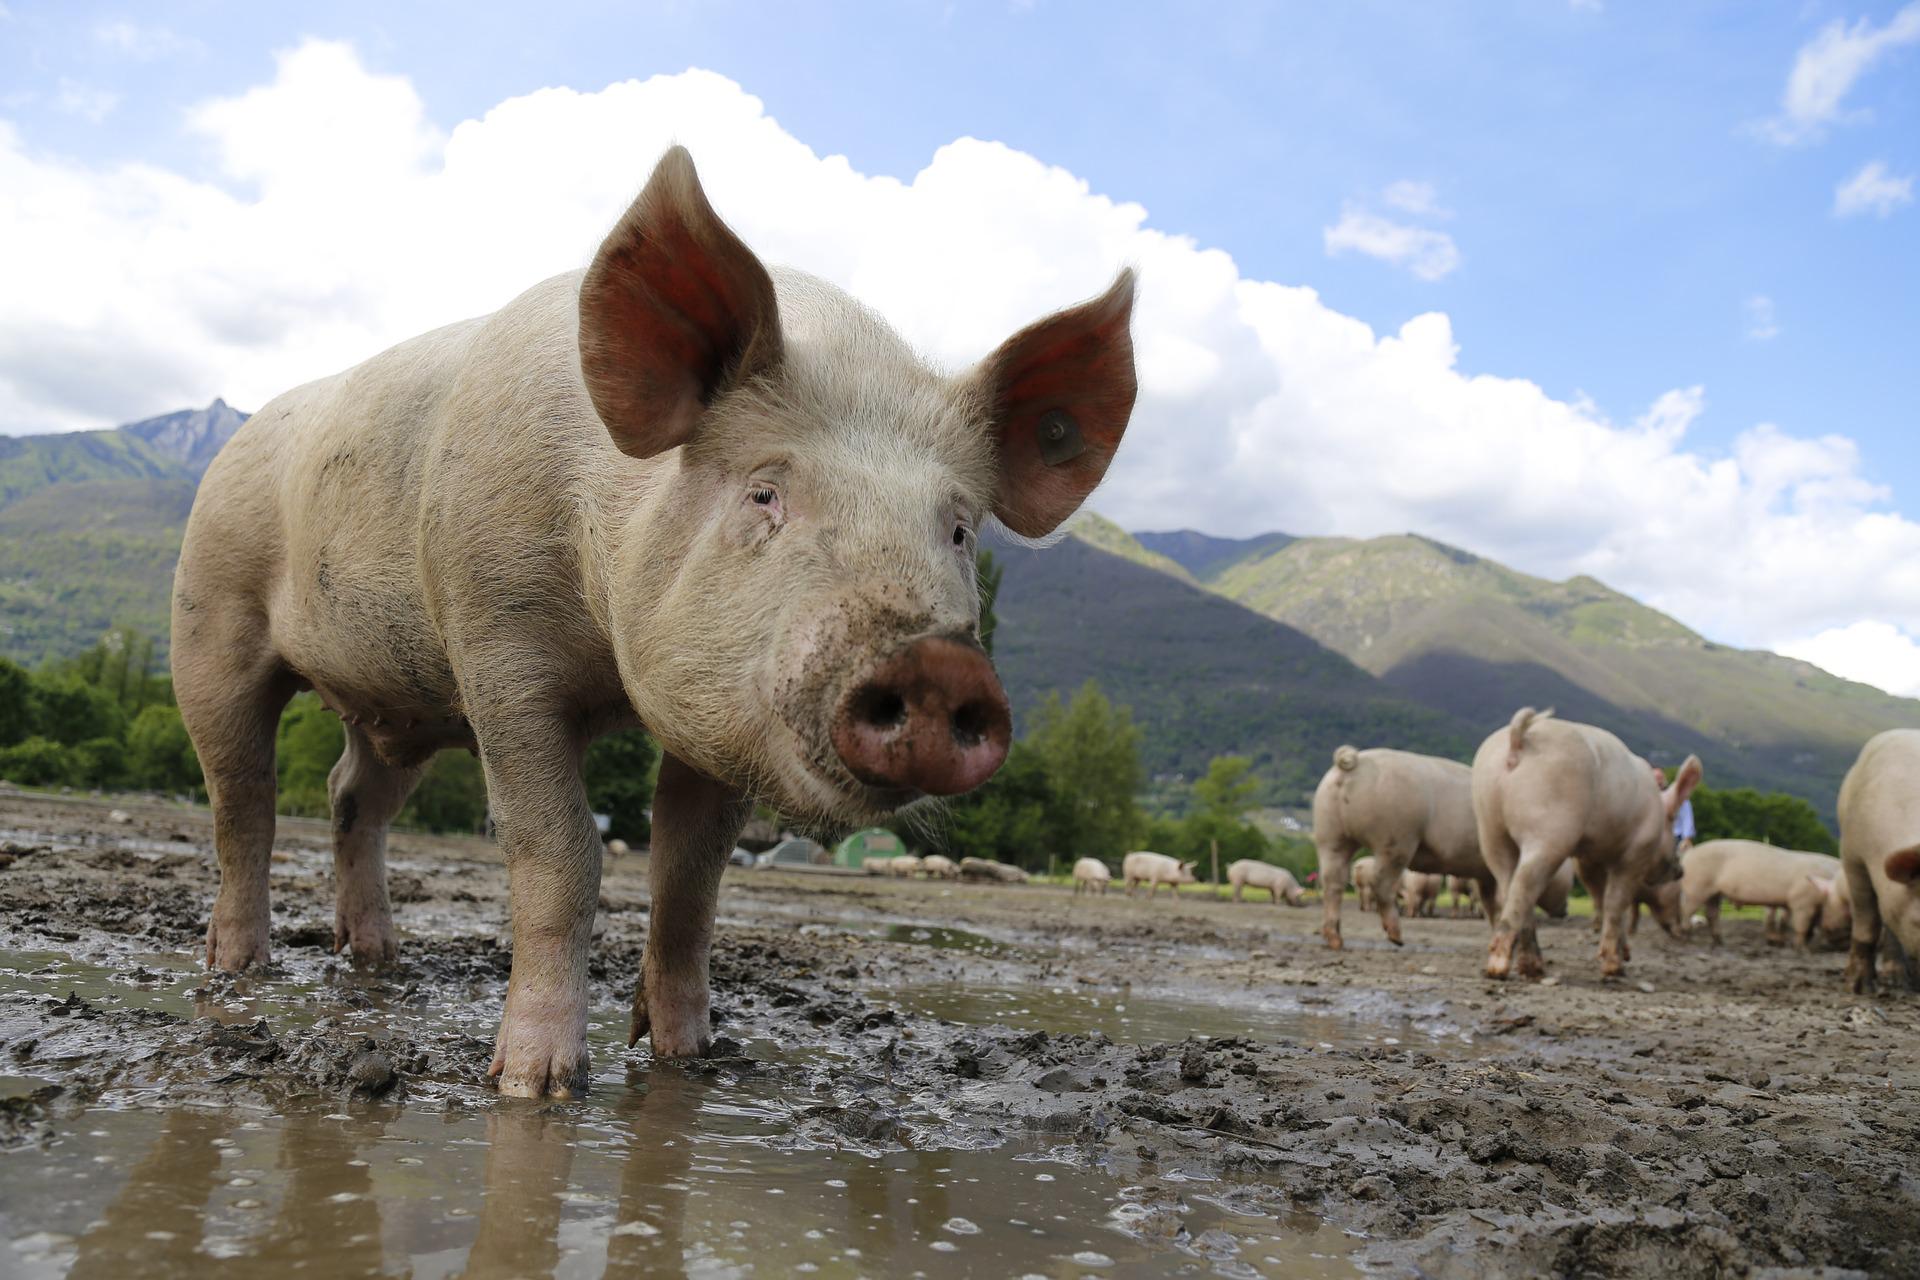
pixel 1420 892
pixel 1154 870
pixel 939 867
pixel 1880 854
pixel 1091 875
pixel 1277 881
pixel 1546 791
pixel 1807 886
pixel 990 869
pixel 1412 811
pixel 1459 888
pixel 1365 872
pixel 904 867
pixel 1558 891
pixel 677 490
pixel 617 849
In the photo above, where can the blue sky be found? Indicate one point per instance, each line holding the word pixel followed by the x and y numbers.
pixel 1618 203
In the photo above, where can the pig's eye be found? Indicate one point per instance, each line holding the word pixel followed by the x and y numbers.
pixel 762 497
pixel 959 535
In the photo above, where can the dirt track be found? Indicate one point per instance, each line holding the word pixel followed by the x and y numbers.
pixel 1742 1115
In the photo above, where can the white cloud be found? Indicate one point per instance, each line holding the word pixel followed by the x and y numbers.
pixel 1429 254
pixel 1416 198
pixel 1763 322
pixel 1826 69
pixel 1875 653
pixel 142 43
pixel 1872 190
pixel 352 221
pixel 89 102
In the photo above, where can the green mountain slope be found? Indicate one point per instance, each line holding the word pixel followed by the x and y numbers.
pixel 1466 635
pixel 1203 675
pixel 90 526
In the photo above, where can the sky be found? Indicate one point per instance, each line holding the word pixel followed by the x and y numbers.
pixel 1586 287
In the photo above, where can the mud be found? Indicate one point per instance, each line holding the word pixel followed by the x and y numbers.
pixel 917 1077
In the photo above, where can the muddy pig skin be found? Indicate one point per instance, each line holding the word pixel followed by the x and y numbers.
pixel 1154 870
pixel 1748 873
pixel 676 490
pixel 1252 873
pixel 1412 811
pixel 1880 853
pixel 1546 791
pixel 1091 875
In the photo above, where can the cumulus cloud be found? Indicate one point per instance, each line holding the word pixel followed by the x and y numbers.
pixel 1763 323
pixel 1428 254
pixel 1826 69
pixel 1872 190
pixel 1416 198
pixel 90 102
pixel 1875 653
pixel 347 219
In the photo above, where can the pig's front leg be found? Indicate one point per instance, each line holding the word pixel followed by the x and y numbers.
pixel 553 879
pixel 695 822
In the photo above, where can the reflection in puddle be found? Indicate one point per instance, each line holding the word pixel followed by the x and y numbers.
pixel 660 1172
pixel 1136 1019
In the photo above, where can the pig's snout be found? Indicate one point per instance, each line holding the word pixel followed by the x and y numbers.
pixel 931 718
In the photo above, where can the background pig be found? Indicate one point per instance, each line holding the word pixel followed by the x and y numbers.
pixel 1154 870
pixel 1365 873
pixel 1547 790
pixel 1806 885
pixel 1410 810
pixel 1092 875
pixel 1264 875
pixel 676 490
pixel 1880 851
pixel 1558 891
pixel 906 866
pixel 940 867
pixel 991 869
pixel 1463 896
pixel 1420 892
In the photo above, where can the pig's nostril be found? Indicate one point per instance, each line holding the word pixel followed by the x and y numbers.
pixel 880 707
pixel 971 723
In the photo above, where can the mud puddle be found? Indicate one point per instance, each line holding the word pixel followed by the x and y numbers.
pixel 1134 1018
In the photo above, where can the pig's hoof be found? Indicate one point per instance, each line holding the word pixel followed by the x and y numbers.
pixel 367 941
pixel 232 945
pixel 526 1067
pixel 1333 940
pixel 679 1028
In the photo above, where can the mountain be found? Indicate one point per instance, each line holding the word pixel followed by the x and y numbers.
pixel 90 525
pixel 1203 675
pixel 1202 555
pixel 1476 639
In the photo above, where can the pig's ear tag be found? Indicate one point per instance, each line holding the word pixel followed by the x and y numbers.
pixel 1060 438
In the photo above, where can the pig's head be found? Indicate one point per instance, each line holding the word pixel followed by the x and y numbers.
pixel 1186 872
pixel 793 599
pixel 1836 908
pixel 1672 796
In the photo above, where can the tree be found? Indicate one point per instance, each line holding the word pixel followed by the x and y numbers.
pixel 451 796
pixel 37 762
pixel 307 746
pixel 100 763
pixel 988 572
pixel 16 703
pixel 69 710
pixel 1007 819
pixel 159 753
pixel 1773 817
pixel 1090 752
pixel 620 772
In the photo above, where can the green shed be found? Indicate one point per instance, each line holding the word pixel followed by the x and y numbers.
pixel 874 842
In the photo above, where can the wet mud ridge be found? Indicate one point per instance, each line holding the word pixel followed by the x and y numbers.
pixel 916 1076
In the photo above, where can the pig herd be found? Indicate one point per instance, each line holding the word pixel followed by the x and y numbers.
pixel 682 490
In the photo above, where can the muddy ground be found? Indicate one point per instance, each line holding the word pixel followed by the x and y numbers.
pixel 919 1078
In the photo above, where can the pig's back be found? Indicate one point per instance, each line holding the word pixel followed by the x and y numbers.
pixel 1880 799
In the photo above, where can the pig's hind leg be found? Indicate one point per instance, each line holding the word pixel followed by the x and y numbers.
pixel 695 822
pixel 366 793
pixel 231 688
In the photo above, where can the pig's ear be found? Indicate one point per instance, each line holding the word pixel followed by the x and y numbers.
pixel 1059 393
pixel 1903 866
pixel 1822 883
pixel 1683 784
pixel 673 311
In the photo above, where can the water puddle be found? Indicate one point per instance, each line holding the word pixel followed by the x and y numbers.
pixel 660 1171
pixel 1132 1018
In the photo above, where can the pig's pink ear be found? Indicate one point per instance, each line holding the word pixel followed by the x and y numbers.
pixel 1903 866
pixel 1822 883
pixel 1060 393
pixel 1684 782
pixel 673 311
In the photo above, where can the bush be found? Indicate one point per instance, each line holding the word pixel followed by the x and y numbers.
pixel 99 762
pixel 452 795
pixel 159 752
pixel 37 762
pixel 620 773
pixel 308 745
pixel 70 711
pixel 16 703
